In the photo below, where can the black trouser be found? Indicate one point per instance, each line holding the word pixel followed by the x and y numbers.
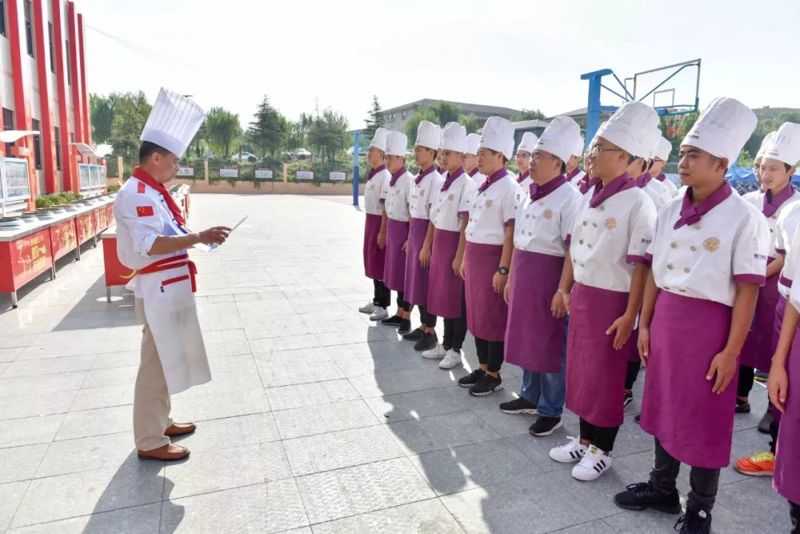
pixel 632 373
pixel 774 426
pixel 704 481
pixel 746 375
pixel 490 353
pixel 402 303
pixel 426 318
pixel 602 437
pixel 794 516
pixel 455 330
pixel 383 295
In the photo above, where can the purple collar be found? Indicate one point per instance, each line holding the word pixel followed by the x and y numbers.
pixel 473 172
pixel 441 170
pixel 661 177
pixel 522 176
pixel 643 180
pixel 691 214
pixel 573 173
pixel 601 193
pixel 376 170
pixel 586 183
pixel 424 173
pixel 493 179
pixel 541 191
pixel 771 204
pixel 396 176
pixel 452 177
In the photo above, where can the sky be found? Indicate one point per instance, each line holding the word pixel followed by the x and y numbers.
pixel 307 55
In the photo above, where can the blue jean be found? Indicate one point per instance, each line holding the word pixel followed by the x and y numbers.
pixel 546 390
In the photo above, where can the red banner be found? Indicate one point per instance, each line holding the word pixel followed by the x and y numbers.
pixel 63 238
pixel 87 227
pixel 23 260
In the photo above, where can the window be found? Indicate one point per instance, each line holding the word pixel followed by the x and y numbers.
pixel 57 133
pixel 29 27
pixel 52 51
pixel 2 17
pixel 37 145
pixel 8 124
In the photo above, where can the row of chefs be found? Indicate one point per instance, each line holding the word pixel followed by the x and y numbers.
pixel 582 276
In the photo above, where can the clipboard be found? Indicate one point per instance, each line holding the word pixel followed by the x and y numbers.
pixel 214 246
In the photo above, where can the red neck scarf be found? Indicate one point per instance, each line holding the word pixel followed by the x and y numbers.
pixel 144 177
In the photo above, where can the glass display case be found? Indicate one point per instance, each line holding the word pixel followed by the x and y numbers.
pixel 92 179
pixel 15 185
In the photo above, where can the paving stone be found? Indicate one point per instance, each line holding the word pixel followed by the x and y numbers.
pixel 10 496
pixel 136 520
pixel 430 517
pixel 324 418
pixel 441 432
pixel 302 395
pixel 28 431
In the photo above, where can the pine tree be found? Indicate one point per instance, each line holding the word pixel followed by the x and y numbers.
pixel 375 119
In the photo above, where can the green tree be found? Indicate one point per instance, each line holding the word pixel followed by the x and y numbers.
pixel 268 130
pixel 130 112
pixel 423 114
pixel 446 112
pixel 102 113
pixel 375 119
pixel 528 115
pixel 297 135
pixel 223 129
pixel 470 122
pixel 328 134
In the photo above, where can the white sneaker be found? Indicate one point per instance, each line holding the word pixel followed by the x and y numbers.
pixel 435 353
pixel 378 314
pixel 594 463
pixel 367 308
pixel 573 451
pixel 451 359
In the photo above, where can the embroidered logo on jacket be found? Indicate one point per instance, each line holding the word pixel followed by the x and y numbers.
pixel 144 211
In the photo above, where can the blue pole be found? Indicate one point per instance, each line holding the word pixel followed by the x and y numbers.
pixel 356 149
pixel 593 106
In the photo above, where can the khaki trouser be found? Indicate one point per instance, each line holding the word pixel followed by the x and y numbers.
pixel 151 404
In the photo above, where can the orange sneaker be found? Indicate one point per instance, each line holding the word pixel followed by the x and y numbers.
pixel 761 464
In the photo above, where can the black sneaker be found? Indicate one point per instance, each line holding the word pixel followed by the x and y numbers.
pixel 394 320
pixel 519 405
pixel 742 406
pixel 764 424
pixel 405 327
pixel 694 522
pixel 638 419
pixel 794 515
pixel 426 342
pixel 487 385
pixel 761 376
pixel 628 400
pixel 642 496
pixel 544 426
pixel 415 335
pixel 471 379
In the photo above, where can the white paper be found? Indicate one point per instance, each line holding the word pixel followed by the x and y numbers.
pixel 213 246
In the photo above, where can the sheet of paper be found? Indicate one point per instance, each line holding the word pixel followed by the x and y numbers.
pixel 213 246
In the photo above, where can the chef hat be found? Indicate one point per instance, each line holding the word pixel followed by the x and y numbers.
pixel 664 149
pixel 379 139
pixel 173 122
pixel 498 135
pixel 527 142
pixel 579 144
pixel 722 129
pixel 396 144
pixel 631 128
pixel 473 142
pixel 653 144
pixel 765 142
pixel 560 138
pixel 429 135
pixel 454 137
pixel 785 146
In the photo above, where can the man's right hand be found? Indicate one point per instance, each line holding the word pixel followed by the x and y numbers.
pixel 216 235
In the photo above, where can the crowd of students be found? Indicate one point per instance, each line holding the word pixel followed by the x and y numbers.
pixel 582 277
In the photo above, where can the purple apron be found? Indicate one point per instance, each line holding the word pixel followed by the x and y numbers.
pixel 416 282
pixel 534 338
pixel 786 478
pixel 445 289
pixel 758 347
pixel 373 255
pixel 780 309
pixel 486 310
pixel 395 265
pixel 595 370
pixel 678 408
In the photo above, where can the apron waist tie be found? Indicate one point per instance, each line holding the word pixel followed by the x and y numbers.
pixel 173 262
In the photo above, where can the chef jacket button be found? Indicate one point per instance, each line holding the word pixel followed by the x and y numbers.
pixel 580 242
pixel 669 266
pixel 589 245
pixel 594 224
pixel 686 269
pixel 602 208
pixel 585 223
pixel 674 244
pixel 693 248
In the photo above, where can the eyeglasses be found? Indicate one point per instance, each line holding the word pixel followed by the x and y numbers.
pixel 595 150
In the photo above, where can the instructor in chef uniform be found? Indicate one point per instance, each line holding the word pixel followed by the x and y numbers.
pixel 152 240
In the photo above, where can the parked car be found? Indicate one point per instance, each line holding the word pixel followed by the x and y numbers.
pixel 299 153
pixel 244 156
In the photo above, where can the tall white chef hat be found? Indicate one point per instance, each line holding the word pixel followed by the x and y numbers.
pixel 379 139
pixel 631 128
pixel 429 135
pixel 527 142
pixel 173 122
pixel 560 138
pixel 653 144
pixel 454 137
pixel 473 142
pixel 765 142
pixel 498 135
pixel 396 144
pixel 722 129
pixel 579 144
pixel 664 149
pixel 785 146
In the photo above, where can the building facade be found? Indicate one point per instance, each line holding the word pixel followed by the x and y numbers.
pixel 395 118
pixel 43 88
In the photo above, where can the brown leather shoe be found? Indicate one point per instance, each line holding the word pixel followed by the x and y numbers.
pixel 180 429
pixel 168 453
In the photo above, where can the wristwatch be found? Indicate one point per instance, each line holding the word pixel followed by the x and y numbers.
pixel 503 270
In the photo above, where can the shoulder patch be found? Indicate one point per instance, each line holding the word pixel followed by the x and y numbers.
pixel 144 211
pixel 140 188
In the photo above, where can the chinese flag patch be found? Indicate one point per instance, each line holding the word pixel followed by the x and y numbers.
pixel 144 211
